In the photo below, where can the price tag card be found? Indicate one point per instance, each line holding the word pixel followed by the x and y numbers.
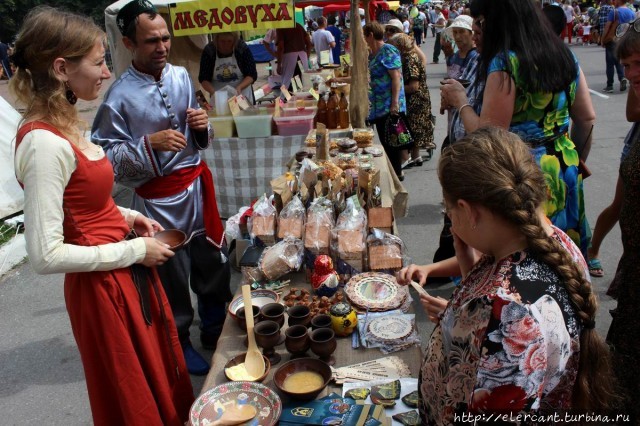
pixel 294 85
pixel 313 93
pixel 285 92
pixel 298 82
pixel 243 103
pixel 233 106
pixel 301 66
pixel 345 59
pixel 279 105
pixel 325 57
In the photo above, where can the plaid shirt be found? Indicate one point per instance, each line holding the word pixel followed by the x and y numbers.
pixel 602 16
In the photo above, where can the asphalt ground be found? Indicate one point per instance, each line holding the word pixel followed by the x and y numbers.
pixel 41 377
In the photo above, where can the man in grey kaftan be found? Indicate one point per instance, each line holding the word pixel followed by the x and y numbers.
pixel 152 130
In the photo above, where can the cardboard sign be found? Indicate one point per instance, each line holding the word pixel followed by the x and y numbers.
pixel 345 59
pixel 243 103
pixel 325 57
pixel 233 106
pixel 285 93
pixel 298 82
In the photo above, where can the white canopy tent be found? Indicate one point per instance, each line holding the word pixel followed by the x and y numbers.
pixel 11 196
pixel 185 51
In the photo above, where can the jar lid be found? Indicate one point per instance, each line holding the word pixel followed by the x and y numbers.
pixel 340 308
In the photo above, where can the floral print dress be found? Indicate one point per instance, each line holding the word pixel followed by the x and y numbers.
pixel 419 102
pixel 508 342
pixel 542 120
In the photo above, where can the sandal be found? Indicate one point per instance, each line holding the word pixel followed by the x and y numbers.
pixel 417 162
pixel 595 268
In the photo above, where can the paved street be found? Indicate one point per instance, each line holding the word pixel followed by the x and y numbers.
pixel 41 378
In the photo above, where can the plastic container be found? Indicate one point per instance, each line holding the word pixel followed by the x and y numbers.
pixel 293 121
pixel 223 126
pixel 222 102
pixel 254 123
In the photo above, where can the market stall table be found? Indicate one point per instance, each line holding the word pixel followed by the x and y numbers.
pixel 231 343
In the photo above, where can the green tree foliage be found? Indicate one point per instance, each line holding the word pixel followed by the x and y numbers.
pixel 12 12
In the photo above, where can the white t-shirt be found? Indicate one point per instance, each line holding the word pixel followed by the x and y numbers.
pixel 321 40
pixel 405 26
pixel 586 29
pixel 569 13
pixel 438 19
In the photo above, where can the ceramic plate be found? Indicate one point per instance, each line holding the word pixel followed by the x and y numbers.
pixel 390 328
pixel 375 291
pixel 211 404
pixel 259 298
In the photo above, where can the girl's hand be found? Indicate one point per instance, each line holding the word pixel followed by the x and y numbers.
pixel 433 306
pixel 157 252
pixel 412 272
pixel 146 227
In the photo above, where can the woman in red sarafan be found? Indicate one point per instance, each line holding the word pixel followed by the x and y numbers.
pixel 121 320
pixel 518 333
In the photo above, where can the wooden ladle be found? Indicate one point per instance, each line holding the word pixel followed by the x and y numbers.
pixel 253 362
pixel 236 414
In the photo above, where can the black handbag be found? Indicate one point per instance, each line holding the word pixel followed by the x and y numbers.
pixel 397 132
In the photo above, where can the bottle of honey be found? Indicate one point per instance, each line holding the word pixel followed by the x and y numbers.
pixel 332 111
pixel 343 112
pixel 321 114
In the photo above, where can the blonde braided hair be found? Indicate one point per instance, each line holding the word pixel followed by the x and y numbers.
pixel 512 186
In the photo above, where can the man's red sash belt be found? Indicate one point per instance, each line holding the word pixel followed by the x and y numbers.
pixel 178 181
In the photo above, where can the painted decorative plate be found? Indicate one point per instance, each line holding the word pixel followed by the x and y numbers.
pixel 259 298
pixel 375 291
pixel 390 328
pixel 211 404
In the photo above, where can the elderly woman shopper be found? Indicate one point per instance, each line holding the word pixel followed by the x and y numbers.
pixel 227 61
pixel 518 336
pixel 536 102
pixel 386 88
pixel 417 97
pixel 119 313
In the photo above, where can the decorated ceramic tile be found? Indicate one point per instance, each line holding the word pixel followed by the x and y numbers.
pixel 410 418
pixel 390 328
pixel 375 291
pixel 211 404
pixel 359 394
pixel 386 403
pixel 411 399
pixel 390 390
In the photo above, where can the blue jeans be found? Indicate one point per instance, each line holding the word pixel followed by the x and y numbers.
pixel 612 62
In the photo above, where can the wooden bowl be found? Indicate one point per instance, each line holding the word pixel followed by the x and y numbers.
pixel 239 359
pixel 174 237
pixel 300 365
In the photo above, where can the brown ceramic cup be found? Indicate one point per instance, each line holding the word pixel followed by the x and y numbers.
pixel 268 337
pixel 273 312
pixel 323 344
pixel 297 340
pixel 242 321
pixel 321 321
pixel 299 314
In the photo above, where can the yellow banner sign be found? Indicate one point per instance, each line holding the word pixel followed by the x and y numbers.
pixel 214 16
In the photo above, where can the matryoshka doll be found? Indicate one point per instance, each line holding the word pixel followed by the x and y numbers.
pixel 324 278
pixel 343 318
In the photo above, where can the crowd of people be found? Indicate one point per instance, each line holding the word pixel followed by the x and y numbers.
pixel 518 334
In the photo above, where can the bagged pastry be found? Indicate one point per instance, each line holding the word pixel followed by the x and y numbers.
pixel 281 258
pixel 320 222
pixel 263 220
pixel 291 219
pixel 386 251
pixel 349 234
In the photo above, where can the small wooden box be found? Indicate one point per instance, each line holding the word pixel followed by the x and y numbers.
pixel 385 256
pixel 381 218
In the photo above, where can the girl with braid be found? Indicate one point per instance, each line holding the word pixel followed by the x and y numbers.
pixel 517 336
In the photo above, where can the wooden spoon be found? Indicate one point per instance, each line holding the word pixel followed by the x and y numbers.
pixel 253 362
pixel 236 414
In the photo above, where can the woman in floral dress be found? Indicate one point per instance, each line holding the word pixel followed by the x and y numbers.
pixel 417 95
pixel 518 335
pixel 534 87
